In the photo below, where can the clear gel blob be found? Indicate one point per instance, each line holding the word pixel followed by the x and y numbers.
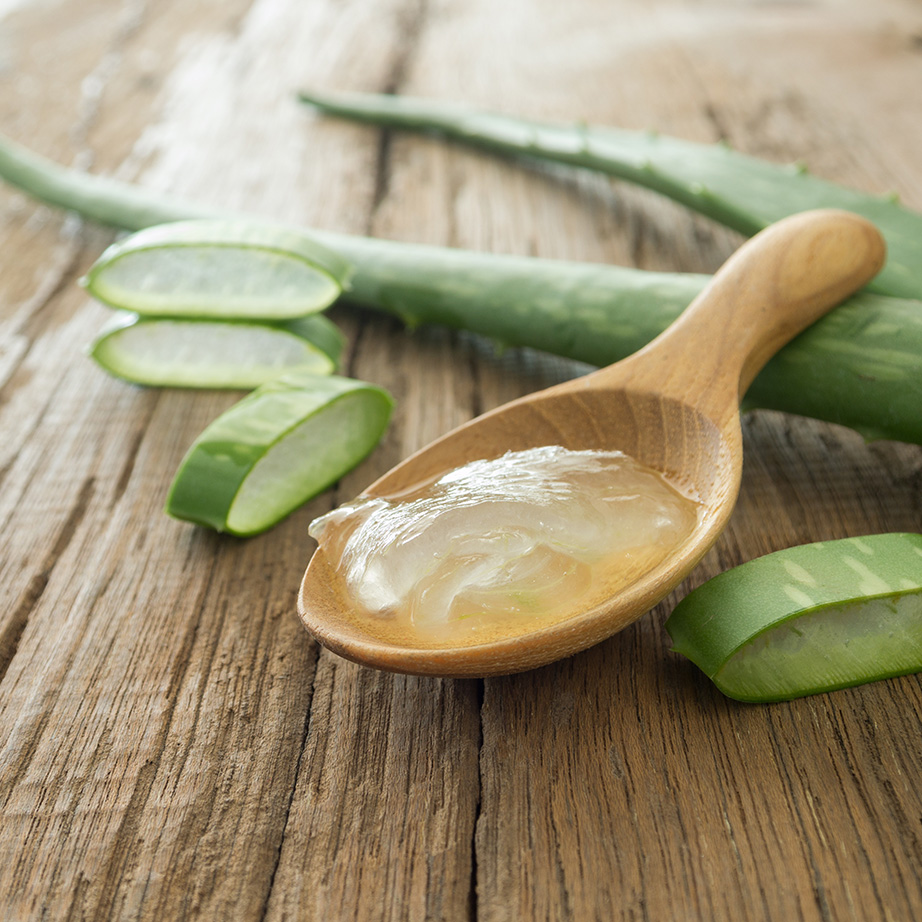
pixel 498 548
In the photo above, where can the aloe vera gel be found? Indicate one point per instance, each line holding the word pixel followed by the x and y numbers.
pixel 506 546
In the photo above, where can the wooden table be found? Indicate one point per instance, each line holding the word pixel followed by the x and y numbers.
pixel 172 743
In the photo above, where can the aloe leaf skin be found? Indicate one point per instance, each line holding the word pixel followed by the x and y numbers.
pixel 867 376
pixel 321 332
pixel 860 367
pixel 280 446
pixel 742 192
pixel 808 619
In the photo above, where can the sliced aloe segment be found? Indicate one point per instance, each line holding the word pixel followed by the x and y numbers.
pixel 807 619
pixel 281 445
pixel 226 269
pixel 174 352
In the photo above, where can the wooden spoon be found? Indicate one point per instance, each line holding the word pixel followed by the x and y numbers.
pixel 673 406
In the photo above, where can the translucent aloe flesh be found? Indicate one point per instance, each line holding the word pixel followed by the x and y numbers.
pixel 860 366
pixel 807 619
pixel 739 191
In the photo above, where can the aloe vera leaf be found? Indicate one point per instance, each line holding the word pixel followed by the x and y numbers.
pixel 277 448
pixel 737 190
pixel 861 365
pixel 807 619
pixel 589 312
pixel 202 353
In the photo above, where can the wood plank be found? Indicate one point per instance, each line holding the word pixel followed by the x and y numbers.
pixel 172 745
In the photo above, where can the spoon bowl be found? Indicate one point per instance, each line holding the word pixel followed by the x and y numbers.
pixel 673 406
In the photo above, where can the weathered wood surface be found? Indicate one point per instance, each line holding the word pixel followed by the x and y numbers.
pixel 172 744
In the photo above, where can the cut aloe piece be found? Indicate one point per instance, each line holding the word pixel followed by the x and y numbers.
pixel 174 352
pixel 808 619
pixel 225 269
pixel 280 446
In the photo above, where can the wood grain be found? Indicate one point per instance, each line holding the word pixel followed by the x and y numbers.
pixel 172 745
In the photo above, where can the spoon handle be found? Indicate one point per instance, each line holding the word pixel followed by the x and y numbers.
pixel 777 284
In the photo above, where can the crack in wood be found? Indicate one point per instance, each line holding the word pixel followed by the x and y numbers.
pixel 126 841
pixel 9 644
pixel 58 279
pixel 473 896
pixel 152 398
pixel 809 853
pixel 34 427
pixel 477 399
pixel 16 625
pixel 351 359
pixel 412 25
pixel 283 826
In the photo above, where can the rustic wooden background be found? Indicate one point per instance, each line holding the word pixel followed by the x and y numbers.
pixel 172 744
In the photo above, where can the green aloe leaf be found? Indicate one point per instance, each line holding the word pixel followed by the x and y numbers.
pixel 742 192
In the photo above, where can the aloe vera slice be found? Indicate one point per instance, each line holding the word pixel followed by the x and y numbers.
pixel 177 352
pixel 225 269
pixel 277 448
pixel 807 619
